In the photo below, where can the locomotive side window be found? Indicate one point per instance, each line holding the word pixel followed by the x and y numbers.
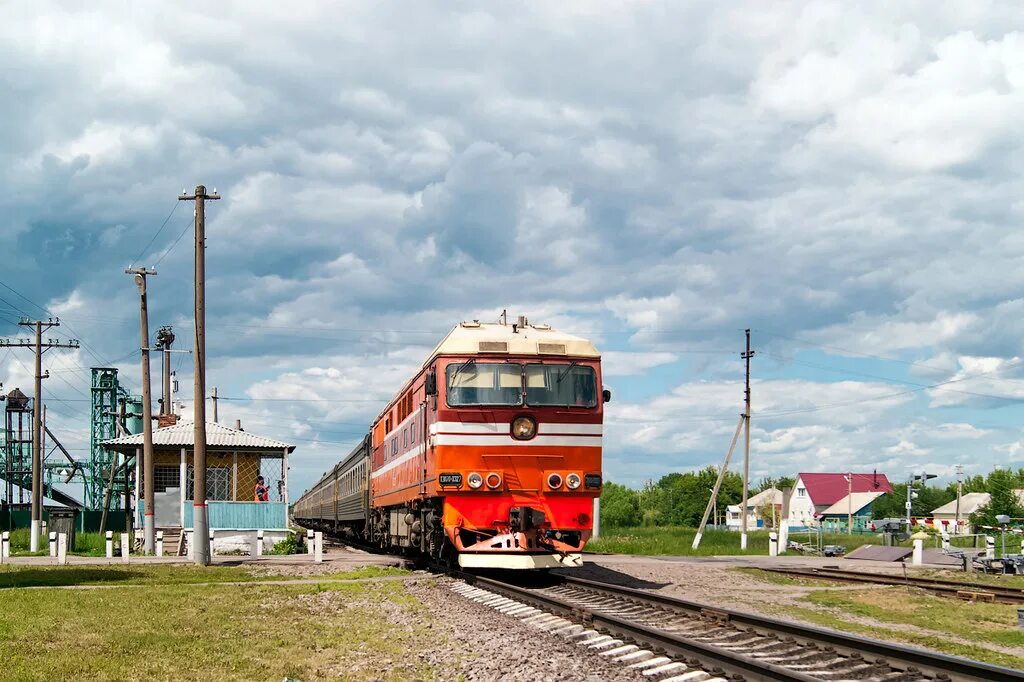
pixel 473 383
pixel 557 384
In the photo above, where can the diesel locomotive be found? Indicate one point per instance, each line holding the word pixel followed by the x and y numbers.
pixel 489 457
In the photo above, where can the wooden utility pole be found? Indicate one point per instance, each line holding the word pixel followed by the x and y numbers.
pixel 148 465
pixel 39 346
pixel 200 526
pixel 746 447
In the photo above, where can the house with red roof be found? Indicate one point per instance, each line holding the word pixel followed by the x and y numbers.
pixel 814 493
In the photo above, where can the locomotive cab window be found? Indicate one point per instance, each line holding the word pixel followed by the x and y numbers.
pixel 570 385
pixel 474 383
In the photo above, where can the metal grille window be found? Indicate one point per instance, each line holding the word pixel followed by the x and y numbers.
pixel 218 483
pixel 166 477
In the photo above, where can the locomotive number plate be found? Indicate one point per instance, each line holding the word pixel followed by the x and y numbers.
pixel 450 480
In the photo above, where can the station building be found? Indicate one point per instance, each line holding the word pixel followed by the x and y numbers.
pixel 235 461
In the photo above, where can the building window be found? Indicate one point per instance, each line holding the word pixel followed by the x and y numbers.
pixel 218 483
pixel 801 492
pixel 166 477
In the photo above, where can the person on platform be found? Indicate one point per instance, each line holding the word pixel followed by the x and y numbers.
pixel 262 491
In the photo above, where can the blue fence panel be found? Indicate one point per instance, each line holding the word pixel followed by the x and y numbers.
pixel 247 514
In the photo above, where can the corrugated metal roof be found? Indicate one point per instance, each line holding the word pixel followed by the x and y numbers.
pixel 969 503
pixel 217 435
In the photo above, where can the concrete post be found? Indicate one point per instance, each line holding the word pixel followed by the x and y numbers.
pixel 211 543
pixel 110 544
pixel 773 544
pixel 53 543
pixel 5 545
pixel 918 557
pixel 125 547
pixel 259 543
pixel 990 547
pixel 310 541
pixel 159 543
pixel 191 545
pixel 783 536
pixel 318 553
pixel 945 541
pixel 62 549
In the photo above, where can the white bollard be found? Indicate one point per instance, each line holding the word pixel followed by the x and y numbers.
pixel 259 543
pixel 918 557
pixel 125 547
pixel 743 541
pixel 318 552
pixel 945 541
pixel 5 545
pixel 990 547
pixel 53 543
pixel 191 546
pixel 309 542
pixel 783 536
pixel 62 549
pixel 110 544
pixel 773 544
pixel 212 552
pixel 159 543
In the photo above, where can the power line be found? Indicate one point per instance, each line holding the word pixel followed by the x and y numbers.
pixel 153 238
pixel 171 247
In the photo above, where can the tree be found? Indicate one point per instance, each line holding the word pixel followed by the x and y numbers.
pixel 780 483
pixel 1003 500
pixel 620 506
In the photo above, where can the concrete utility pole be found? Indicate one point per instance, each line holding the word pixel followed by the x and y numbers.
pixel 164 339
pixel 213 396
pixel 849 504
pixel 718 484
pixel 37 414
pixel 746 448
pixel 959 492
pixel 200 526
pixel 148 465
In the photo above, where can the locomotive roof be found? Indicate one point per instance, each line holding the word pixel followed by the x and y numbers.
pixel 472 338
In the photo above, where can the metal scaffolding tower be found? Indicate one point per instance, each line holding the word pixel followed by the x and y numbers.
pixel 107 399
pixel 17 447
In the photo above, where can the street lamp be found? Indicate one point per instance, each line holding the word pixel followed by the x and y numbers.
pixel 1003 519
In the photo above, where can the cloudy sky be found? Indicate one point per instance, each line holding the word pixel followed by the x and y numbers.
pixel 842 179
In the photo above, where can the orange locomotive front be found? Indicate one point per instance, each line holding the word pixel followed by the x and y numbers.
pixel 491 455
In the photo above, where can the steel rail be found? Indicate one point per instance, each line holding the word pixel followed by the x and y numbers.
pixel 1002 594
pixel 714 659
pixel 953 667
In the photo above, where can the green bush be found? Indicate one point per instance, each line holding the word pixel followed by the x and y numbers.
pixel 290 545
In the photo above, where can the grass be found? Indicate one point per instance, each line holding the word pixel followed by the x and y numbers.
pixel 222 632
pixel 977 623
pixel 162 575
pixel 835 619
pixel 676 540
pixel 86 544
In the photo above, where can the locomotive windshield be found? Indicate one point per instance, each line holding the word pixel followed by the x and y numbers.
pixel 565 384
pixel 473 383
pixel 568 385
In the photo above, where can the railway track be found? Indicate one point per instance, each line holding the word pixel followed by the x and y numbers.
pixel 673 639
pixel 949 588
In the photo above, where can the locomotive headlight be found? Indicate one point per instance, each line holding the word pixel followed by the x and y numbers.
pixel 475 480
pixel 524 428
pixel 554 481
pixel 493 480
pixel 572 481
